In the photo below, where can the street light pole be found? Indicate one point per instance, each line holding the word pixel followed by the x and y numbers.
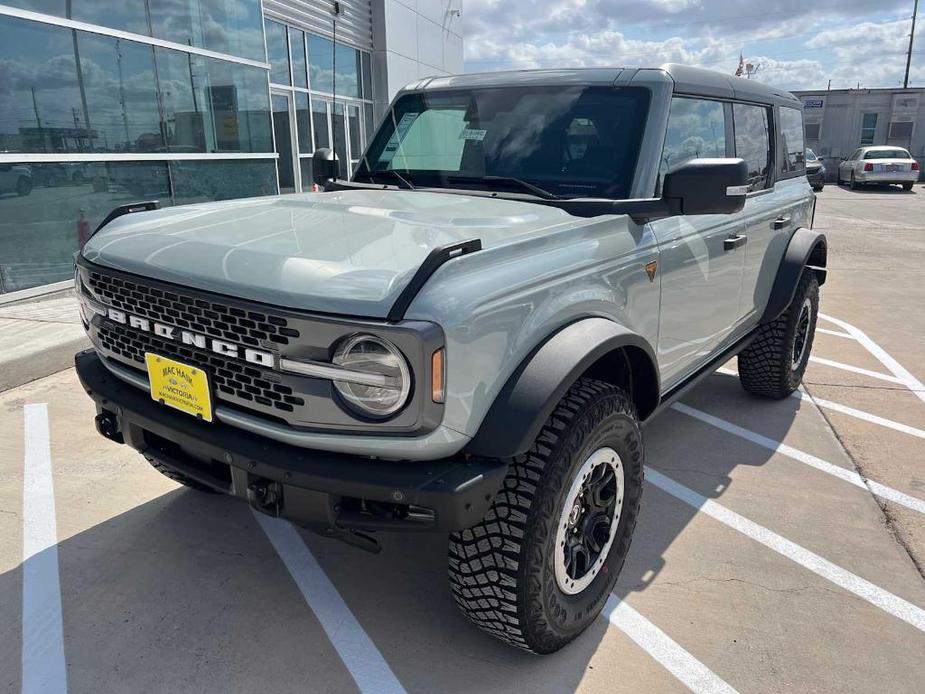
pixel 915 11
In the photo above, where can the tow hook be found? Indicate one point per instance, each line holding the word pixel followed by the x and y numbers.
pixel 108 426
pixel 266 496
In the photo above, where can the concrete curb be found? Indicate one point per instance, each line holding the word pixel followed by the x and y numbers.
pixel 43 362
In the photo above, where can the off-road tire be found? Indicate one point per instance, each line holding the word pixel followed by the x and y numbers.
pixel 907 186
pixel 502 570
pixel 181 478
pixel 767 366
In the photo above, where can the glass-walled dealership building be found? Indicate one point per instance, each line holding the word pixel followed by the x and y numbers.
pixel 106 102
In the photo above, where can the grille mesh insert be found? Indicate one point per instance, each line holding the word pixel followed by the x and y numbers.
pixel 230 378
pixel 210 318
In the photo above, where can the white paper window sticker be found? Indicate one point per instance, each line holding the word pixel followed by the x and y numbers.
pixel 472 134
pixel 401 129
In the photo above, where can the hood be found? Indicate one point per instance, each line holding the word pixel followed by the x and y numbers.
pixel 349 252
pixel 813 165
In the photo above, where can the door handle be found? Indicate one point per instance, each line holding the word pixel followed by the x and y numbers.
pixel 780 222
pixel 733 242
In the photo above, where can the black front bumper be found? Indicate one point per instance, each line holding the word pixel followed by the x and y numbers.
pixel 327 492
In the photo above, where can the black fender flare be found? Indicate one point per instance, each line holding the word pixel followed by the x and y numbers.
pixel 807 248
pixel 520 410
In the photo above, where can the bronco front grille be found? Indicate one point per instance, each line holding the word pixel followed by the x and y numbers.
pixel 230 378
pixel 210 318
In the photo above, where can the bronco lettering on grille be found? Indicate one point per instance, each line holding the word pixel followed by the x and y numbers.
pixel 170 332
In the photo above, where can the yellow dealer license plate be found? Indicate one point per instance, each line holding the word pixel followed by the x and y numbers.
pixel 178 385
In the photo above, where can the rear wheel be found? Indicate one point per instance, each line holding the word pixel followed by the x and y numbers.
pixel 854 184
pixel 907 186
pixel 537 570
pixel 23 185
pixel 774 362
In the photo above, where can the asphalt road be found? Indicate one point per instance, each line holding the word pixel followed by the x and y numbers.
pixel 780 547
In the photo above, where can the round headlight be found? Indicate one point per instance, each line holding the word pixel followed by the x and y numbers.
pixel 379 380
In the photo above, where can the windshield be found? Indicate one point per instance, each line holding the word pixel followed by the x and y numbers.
pixel 887 154
pixel 810 155
pixel 559 141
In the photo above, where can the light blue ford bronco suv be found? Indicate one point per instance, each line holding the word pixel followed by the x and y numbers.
pixel 469 335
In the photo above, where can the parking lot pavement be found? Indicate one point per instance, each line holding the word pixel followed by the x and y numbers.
pixel 776 550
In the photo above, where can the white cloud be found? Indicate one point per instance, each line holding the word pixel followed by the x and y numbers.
pixel 847 42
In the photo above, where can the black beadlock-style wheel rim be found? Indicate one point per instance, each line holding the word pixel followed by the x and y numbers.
pixel 589 520
pixel 801 339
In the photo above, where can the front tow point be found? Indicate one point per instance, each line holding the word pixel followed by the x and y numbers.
pixel 266 497
pixel 108 426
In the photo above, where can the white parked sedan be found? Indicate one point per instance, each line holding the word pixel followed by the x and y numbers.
pixel 879 164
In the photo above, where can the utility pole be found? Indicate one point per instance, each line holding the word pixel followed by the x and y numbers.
pixel 915 11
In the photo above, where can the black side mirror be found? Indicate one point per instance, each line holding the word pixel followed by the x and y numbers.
pixel 707 186
pixel 324 166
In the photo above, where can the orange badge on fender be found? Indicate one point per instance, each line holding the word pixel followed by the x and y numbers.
pixel 651 267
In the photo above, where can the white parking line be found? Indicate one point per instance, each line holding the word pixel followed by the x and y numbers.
pixel 357 651
pixel 43 665
pixel 845 474
pixel 858 370
pixel 690 672
pixel 860 414
pixel 881 355
pixel 836 333
pixel 875 595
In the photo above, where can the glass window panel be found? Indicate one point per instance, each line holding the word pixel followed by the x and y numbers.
pixel 367 77
pixel 753 143
pixel 47 211
pixel 305 164
pixel 212 105
pixel 370 120
pixel 353 128
pixel 320 121
pixel 297 51
pixel 41 104
pixel 240 107
pixel 868 128
pixel 791 138
pixel 128 15
pixel 118 79
pixel 277 53
pixel 202 181
pixel 303 123
pixel 226 26
pixel 282 128
pixel 58 8
pixel 320 63
pixel 696 128
pixel 348 71
pixel 340 139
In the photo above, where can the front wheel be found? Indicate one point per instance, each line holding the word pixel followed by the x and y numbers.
pixel 774 362
pixel 537 570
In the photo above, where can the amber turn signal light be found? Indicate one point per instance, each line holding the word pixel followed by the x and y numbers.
pixel 437 377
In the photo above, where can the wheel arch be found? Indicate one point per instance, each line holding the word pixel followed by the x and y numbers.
pixel 806 249
pixel 594 347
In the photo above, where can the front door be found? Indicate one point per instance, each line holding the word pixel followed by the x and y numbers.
pixel 284 139
pixel 700 268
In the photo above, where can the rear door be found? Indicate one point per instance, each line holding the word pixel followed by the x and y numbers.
pixel 780 199
pixel 700 276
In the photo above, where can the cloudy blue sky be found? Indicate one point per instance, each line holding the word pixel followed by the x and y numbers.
pixel 800 44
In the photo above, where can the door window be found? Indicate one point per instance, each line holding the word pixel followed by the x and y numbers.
pixel 791 140
pixel 753 142
pixel 696 128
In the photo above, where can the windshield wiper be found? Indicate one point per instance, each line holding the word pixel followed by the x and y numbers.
pixel 525 185
pixel 402 181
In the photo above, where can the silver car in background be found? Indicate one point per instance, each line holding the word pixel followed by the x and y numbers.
pixel 879 164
